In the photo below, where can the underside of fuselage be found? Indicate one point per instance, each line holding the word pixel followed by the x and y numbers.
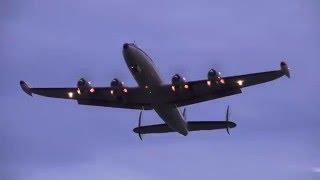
pixel 146 75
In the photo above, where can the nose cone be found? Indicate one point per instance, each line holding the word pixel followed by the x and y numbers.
pixel 126 52
pixel 125 46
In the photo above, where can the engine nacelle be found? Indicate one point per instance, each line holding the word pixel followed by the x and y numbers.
pixel 178 80
pixel 116 83
pixel 84 86
pixel 118 90
pixel 214 76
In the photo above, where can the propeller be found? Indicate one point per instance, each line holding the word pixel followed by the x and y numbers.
pixel 227 119
pixel 184 114
pixel 139 124
pixel 180 69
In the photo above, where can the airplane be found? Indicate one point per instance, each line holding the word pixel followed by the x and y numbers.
pixel 153 94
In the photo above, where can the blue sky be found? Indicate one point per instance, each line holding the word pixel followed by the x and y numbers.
pixel 54 43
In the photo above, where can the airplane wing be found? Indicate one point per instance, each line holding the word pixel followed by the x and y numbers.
pixel 202 90
pixel 145 98
pixel 132 98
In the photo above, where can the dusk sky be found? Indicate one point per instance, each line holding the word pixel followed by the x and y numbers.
pixel 55 43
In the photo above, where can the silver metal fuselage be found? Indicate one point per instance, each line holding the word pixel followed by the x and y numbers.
pixel 147 76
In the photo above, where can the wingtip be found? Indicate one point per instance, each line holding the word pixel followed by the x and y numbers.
pixel 24 86
pixel 285 69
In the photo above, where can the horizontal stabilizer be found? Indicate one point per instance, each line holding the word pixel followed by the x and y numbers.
pixel 192 126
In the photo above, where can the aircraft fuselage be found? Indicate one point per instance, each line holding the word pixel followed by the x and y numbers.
pixel 147 76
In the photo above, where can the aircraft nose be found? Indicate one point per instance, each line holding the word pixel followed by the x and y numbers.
pixel 125 46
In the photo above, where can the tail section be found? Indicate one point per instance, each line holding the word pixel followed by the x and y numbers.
pixel 192 126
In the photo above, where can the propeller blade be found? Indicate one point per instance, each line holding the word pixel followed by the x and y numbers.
pixel 139 124
pixel 227 114
pixel 184 114
pixel 227 118
pixel 228 130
